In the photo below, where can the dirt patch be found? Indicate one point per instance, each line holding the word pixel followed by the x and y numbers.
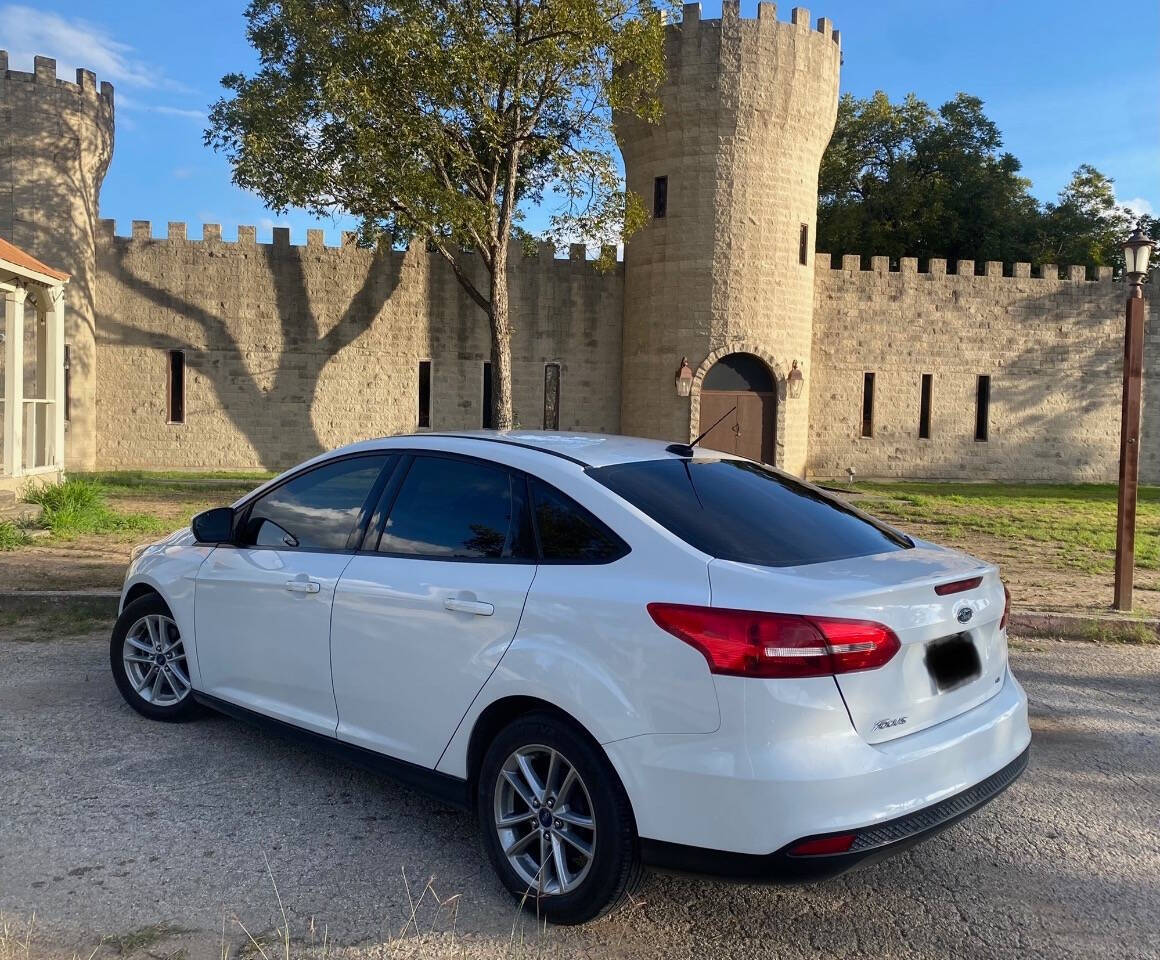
pixel 91 562
pixel 1039 578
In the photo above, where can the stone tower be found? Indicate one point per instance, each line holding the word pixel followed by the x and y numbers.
pixel 56 140
pixel 749 106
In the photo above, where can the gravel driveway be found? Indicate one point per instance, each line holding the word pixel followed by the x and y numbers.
pixel 156 837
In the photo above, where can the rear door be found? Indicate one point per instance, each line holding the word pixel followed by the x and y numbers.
pixel 423 614
pixel 263 605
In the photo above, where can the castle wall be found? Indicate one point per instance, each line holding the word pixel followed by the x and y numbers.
pixel 749 106
pixel 292 350
pixel 1052 347
pixel 56 141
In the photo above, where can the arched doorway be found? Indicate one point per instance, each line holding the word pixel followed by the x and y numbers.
pixel 739 390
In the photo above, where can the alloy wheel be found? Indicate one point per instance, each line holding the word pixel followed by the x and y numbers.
pixel 544 820
pixel 155 661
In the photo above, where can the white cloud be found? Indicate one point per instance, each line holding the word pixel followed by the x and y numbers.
pixel 127 102
pixel 76 43
pixel 1140 207
pixel 180 112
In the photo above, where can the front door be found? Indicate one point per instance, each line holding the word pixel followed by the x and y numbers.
pixel 747 429
pixel 423 614
pixel 263 605
pixel 739 391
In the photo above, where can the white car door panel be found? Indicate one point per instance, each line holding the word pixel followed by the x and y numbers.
pixel 263 628
pixel 413 641
pixel 263 604
pixel 422 617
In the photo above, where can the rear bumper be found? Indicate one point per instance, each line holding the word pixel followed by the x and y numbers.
pixel 786 764
pixel 871 843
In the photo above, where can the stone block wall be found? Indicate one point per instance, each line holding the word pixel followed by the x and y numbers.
pixel 56 141
pixel 291 350
pixel 1052 346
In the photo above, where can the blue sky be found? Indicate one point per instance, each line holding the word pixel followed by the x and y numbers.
pixel 1052 74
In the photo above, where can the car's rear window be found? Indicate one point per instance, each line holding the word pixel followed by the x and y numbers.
pixel 738 510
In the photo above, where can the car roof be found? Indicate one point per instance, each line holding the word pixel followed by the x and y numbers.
pixel 584 449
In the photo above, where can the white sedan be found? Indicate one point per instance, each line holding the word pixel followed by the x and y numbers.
pixel 616 652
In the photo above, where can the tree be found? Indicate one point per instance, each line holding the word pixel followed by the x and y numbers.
pixel 1085 225
pixel 905 180
pixel 433 120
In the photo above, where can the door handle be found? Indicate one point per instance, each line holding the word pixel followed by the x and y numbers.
pixel 478 607
pixel 302 586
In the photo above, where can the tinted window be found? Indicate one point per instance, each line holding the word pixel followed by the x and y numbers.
pixel 316 510
pixel 568 532
pixel 452 508
pixel 743 511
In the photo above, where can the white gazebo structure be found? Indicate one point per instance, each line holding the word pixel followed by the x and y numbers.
pixel 32 367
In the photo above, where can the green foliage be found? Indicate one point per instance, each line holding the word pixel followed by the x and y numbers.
pixel 1085 225
pixel 437 121
pixel 77 506
pixel 1078 521
pixel 903 180
pixel 11 536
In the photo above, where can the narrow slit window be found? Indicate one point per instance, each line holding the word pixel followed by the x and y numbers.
pixel 67 383
pixel 982 408
pixel 425 393
pixel 660 197
pixel 175 391
pixel 924 406
pixel 868 405
pixel 804 245
pixel 487 422
pixel 552 396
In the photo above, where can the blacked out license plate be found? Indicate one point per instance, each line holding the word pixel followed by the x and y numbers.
pixel 953 661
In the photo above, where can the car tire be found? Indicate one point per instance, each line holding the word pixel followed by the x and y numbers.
pixel 148 658
pixel 581 803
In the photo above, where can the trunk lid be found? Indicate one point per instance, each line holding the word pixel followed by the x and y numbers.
pixel 950 660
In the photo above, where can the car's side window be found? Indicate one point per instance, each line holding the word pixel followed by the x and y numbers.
pixel 569 533
pixel 450 508
pixel 316 510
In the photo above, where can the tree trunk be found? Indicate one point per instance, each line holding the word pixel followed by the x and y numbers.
pixel 501 344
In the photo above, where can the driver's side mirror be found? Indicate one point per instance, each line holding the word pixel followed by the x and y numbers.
pixel 214 526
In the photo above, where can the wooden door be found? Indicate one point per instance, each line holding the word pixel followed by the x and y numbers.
pixel 747 431
pixel 714 405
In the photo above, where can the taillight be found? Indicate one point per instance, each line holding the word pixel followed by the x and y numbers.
pixel 1006 607
pixel 742 643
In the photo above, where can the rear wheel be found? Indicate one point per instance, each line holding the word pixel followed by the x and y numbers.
pixel 149 661
pixel 556 821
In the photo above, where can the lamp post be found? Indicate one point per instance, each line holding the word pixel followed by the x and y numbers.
pixel 1137 248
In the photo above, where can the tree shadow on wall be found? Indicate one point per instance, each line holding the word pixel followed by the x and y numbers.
pixel 275 420
pixel 1047 359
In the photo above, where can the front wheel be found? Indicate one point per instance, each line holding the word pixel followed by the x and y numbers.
pixel 556 821
pixel 149 661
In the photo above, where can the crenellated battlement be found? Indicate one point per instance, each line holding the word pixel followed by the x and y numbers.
pixel 44 75
pixel 177 234
pixel 693 40
pixel 988 270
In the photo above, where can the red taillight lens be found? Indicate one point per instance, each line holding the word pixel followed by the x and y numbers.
pixel 839 843
pixel 1006 607
pixel 742 643
pixel 957 586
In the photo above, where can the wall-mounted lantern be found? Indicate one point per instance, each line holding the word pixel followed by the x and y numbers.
pixel 684 379
pixel 794 382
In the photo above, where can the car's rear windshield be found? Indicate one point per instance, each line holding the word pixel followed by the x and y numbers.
pixel 739 510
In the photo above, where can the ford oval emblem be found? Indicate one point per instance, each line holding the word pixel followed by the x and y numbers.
pixel 964 615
